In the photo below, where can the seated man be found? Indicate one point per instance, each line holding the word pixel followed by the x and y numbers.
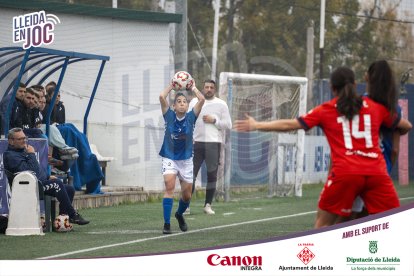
pixel 58 112
pixel 21 91
pixel 55 138
pixel 20 157
pixel 26 115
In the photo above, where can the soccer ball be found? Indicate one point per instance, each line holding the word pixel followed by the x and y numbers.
pixel 182 80
pixel 62 224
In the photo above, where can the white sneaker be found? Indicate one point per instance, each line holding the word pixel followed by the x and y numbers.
pixel 187 211
pixel 208 210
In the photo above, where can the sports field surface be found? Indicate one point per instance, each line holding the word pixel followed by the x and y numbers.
pixel 135 229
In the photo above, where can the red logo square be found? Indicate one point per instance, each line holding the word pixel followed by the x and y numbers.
pixel 306 255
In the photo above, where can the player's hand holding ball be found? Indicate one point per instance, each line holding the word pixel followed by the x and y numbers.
pixel 182 80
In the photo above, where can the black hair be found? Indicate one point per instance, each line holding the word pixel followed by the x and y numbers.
pixel 343 83
pixel 37 87
pixel 381 85
pixel 51 83
pixel 210 81
pixel 49 93
pixel 22 85
pixel 178 95
pixel 30 91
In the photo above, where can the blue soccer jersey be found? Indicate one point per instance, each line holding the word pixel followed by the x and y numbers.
pixel 178 136
pixel 386 142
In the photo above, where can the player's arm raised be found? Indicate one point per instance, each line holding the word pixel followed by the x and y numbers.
pixel 250 124
pixel 201 100
pixel 163 98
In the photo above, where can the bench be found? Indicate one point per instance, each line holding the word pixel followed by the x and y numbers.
pixel 103 161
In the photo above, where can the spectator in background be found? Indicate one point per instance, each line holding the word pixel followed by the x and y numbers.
pixel 26 115
pixel 50 84
pixel 36 100
pixel 209 135
pixel 39 89
pixel 20 157
pixel 58 112
pixel 21 91
pixel 86 169
pixel 55 137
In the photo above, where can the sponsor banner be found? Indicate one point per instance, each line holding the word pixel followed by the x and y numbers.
pixel 382 245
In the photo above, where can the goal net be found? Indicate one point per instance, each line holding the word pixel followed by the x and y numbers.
pixel 270 161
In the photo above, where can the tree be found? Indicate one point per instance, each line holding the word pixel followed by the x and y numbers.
pixel 200 38
pixel 146 5
pixel 272 34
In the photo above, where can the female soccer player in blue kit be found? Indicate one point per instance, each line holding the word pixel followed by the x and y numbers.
pixel 177 152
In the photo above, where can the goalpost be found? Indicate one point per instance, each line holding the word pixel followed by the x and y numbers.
pixel 271 159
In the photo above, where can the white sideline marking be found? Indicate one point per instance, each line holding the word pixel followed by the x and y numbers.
pixel 172 235
pixel 405 198
pixel 228 214
pixel 125 232
pixel 181 233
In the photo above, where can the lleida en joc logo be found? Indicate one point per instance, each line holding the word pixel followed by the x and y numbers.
pixel 34 29
pixel 244 262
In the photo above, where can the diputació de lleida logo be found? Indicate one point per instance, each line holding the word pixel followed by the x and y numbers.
pixel 373 247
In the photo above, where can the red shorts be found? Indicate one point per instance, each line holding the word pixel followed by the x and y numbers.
pixel 339 192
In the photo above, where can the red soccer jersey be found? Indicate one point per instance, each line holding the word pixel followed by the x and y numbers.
pixel 354 144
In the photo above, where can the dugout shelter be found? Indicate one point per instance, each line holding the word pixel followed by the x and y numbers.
pixel 125 122
pixel 42 63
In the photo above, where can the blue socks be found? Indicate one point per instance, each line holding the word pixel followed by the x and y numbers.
pixel 167 204
pixel 182 206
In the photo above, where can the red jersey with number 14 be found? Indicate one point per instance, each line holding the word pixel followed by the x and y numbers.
pixel 354 144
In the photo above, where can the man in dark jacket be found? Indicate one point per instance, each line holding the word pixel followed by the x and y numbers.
pixel 20 157
pixel 24 115
pixel 18 102
pixel 58 112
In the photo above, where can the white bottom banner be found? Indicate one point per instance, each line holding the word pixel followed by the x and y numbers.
pixel 381 244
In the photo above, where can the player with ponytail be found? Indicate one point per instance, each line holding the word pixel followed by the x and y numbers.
pixel 343 82
pixel 351 125
pixel 381 87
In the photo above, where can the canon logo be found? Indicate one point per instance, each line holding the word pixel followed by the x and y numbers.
pixel 215 260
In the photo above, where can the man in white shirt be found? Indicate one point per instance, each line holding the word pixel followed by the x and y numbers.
pixel 209 133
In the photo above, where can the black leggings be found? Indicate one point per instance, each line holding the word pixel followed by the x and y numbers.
pixel 210 153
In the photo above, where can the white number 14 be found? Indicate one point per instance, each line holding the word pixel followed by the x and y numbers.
pixel 356 133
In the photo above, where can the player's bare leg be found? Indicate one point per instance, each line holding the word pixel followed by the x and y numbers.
pixel 324 218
